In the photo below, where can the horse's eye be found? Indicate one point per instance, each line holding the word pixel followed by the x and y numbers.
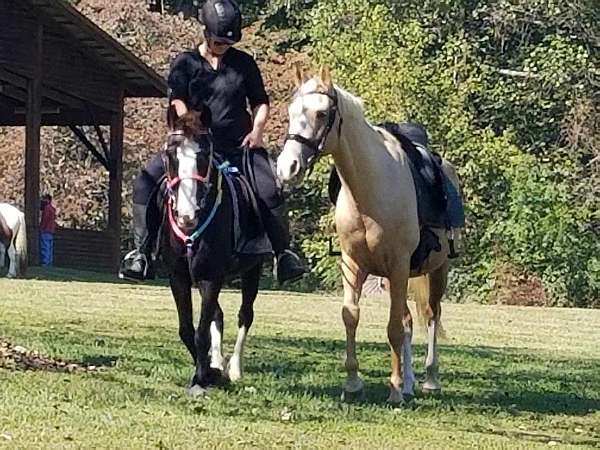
pixel 321 114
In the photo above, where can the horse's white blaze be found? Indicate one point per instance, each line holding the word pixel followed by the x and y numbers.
pixel 216 352
pixel 235 363
pixel 408 377
pixel 186 193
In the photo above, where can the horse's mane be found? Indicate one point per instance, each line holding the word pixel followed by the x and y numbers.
pixel 352 106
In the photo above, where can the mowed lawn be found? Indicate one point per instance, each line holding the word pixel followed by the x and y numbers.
pixel 513 377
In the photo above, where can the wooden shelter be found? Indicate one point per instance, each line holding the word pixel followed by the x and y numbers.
pixel 58 68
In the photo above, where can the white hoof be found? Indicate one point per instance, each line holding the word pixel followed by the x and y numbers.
pixel 234 372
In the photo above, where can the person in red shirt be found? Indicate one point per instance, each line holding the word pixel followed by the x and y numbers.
pixel 47 230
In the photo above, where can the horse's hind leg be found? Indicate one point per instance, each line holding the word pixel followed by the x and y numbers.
pixel 2 255
pixel 353 278
pixel 437 286
pixel 12 261
pixel 181 287
pixel 216 340
pixel 250 281
pixel 400 338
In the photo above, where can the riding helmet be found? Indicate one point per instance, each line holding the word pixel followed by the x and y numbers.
pixel 222 20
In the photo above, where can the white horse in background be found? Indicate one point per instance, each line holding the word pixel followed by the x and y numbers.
pixel 13 240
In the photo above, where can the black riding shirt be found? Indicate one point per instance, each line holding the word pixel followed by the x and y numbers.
pixel 227 91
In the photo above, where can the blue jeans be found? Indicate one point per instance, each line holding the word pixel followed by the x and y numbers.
pixel 46 249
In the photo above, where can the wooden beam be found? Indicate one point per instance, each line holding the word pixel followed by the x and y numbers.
pixel 32 147
pixel 116 178
pixel 45 110
pixel 13 92
pixel 86 142
pixel 63 118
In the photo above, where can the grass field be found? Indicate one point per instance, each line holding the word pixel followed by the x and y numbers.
pixel 513 377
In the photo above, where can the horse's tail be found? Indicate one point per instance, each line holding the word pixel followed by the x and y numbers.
pixel 420 288
pixel 20 241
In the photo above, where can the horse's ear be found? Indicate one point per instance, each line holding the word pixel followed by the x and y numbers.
pixel 171 117
pixel 298 74
pixel 325 76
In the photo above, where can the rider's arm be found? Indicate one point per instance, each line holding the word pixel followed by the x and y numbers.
pixel 261 115
pixel 178 81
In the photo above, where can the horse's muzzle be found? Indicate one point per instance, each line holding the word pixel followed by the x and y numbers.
pixel 187 223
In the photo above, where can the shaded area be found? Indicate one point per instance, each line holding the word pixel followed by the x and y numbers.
pixel 509 378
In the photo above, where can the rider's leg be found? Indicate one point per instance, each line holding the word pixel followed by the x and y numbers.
pixel 137 264
pixel 288 265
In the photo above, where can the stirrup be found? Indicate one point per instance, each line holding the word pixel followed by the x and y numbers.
pixel 135 256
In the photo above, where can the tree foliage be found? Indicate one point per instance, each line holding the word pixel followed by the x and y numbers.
pixel 507 90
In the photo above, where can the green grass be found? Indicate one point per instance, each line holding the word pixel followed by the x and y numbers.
pixel 513 377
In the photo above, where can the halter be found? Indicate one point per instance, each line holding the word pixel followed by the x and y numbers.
pixel 189 240
pixel 316 145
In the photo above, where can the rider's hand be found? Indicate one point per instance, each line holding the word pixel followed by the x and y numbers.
pixel 254 139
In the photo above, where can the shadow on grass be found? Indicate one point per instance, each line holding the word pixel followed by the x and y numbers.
pixel 511 379
pixel 482 379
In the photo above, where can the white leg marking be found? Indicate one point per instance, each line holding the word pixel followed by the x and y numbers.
pixel 235 363
pixel 431 382
pixel 216 345
pixel 12 266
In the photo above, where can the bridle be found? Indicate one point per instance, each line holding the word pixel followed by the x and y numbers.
pixel 317 144
pixel 171 186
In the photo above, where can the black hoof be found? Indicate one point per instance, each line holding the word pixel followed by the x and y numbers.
pixel 353 397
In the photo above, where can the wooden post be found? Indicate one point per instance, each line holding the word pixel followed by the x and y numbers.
pixel 116 179
pixel 32 148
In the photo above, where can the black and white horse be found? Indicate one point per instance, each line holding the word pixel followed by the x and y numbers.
pixel 198 247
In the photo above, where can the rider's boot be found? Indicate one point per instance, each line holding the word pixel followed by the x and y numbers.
pixel 288 266
pixel 137 264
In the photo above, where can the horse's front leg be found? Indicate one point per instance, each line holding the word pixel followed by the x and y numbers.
pixel 353 278
pixel 209 291
pixel 216 340
pixel 250 282
pixel 181 287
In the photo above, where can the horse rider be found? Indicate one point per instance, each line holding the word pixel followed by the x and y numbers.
pixel 225 79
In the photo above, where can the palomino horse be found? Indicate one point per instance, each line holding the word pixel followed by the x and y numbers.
pixel 13 240
pixel 376 221
pixel 198 248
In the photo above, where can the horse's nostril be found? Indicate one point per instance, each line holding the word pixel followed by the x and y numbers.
pixel 294 167
pixel 185 221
